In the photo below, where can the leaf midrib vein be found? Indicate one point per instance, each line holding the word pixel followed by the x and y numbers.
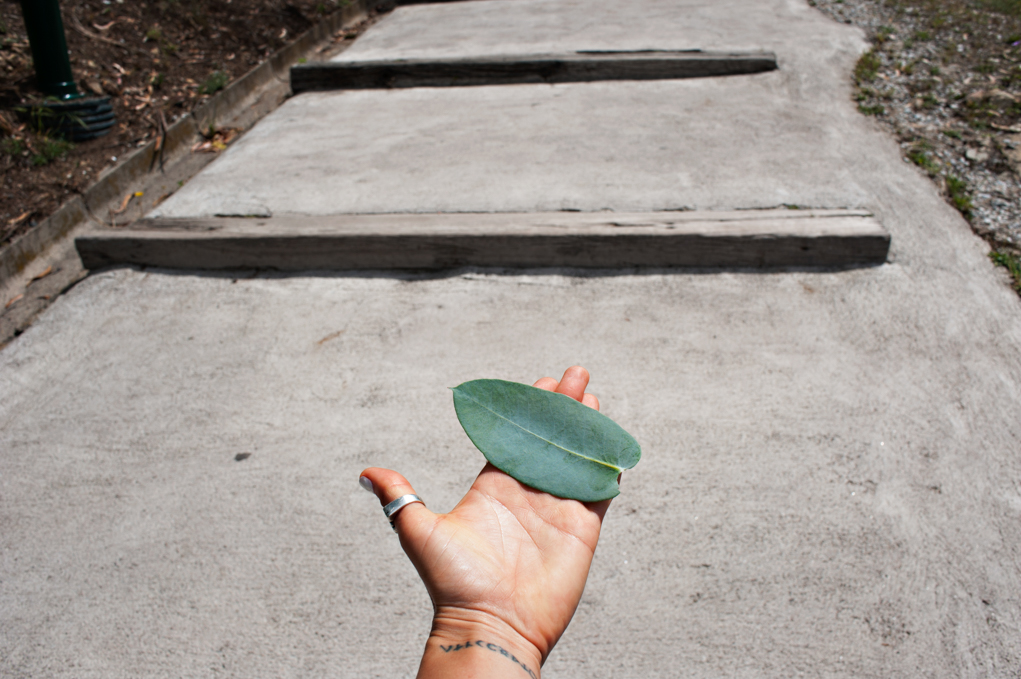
pixel 542 438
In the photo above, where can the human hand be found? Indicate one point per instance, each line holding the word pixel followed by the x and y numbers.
pixel 505 568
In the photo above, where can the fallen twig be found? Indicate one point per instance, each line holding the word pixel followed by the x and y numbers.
pixel 6 125
pixel 12 225
pixel 161 139
pixel 124 203
pixel 1004 128
pixel 77 25
pixel 42 275
pixel 19 219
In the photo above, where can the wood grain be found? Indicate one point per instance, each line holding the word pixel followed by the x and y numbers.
pixel 540 68
pixel 744 239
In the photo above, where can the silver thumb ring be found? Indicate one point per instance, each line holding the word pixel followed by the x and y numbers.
pixel 397 505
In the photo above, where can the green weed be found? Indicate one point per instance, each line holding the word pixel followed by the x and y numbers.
pixel 920 156
pixel 957 190
pixel 50 150
pixel 873 110
pixel 1013 77
pixel 216 81
pixel 867 67
pixel 1012 263
pixel 1008 7
pixel 12 146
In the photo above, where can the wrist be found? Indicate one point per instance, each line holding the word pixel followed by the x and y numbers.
pixel 471 643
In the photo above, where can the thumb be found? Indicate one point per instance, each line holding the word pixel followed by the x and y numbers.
pixel 413 519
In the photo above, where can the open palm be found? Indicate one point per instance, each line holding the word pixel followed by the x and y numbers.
pixel 508 555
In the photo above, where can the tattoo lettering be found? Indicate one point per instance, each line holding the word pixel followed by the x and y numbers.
pixel 491 647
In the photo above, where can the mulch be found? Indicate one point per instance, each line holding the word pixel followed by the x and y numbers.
pixel 156 60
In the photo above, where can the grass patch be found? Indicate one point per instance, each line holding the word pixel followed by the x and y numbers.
pixel 1013 77
pixel 1008 7
pixel 920 156
pixel 50 150
pixel 12 147
pixel 1010 262
pixel 216 81
pixel 867 68
pixel 957 190
pixel 873 110
pixel 883 34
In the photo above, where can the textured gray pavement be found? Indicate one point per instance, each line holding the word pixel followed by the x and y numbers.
pixel 719 143
pixel 830 484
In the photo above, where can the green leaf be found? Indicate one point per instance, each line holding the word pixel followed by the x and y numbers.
pixel 546 440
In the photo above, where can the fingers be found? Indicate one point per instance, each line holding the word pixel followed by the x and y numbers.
pixel 388 485
pixel 547 383
pixel 572 384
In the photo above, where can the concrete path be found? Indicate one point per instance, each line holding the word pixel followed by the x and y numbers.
pixel 753 141
pixel 830 483
pixel 614 146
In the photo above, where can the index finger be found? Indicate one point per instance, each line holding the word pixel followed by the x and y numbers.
pixel 572 384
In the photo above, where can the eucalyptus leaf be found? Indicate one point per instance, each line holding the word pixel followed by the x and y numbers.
pixel 546 440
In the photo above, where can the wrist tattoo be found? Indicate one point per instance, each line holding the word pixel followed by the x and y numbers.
pixel 489 647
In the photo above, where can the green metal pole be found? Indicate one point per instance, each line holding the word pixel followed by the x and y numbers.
pixel 49 48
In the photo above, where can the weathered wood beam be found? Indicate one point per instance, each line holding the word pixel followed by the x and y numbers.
pixel 745 239
pixel 523 69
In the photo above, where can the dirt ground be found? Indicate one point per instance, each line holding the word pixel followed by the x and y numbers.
pixel 155 59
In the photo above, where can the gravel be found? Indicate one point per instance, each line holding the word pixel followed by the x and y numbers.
pixel 945 78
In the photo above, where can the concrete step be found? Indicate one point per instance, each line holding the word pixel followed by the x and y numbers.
pixel 739 239
pixel 524 69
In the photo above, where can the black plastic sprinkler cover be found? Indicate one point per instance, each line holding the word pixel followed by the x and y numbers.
pixel 65 112
pixel 78 119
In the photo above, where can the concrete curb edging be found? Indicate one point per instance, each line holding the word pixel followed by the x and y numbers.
pixel 145 161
